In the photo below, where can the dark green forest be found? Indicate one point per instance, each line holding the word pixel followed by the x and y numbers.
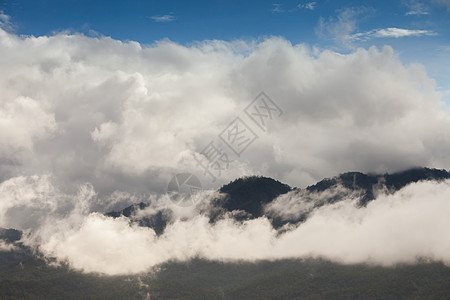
pixel 27 276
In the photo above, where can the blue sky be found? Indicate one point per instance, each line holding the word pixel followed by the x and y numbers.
pixel 418 30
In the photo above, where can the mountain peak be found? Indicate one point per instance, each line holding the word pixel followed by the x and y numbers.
pixel 251 193
pixel 10 235
pixel 366 182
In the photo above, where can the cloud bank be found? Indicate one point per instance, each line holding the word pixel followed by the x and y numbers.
pixel 403 227
pixel 124 116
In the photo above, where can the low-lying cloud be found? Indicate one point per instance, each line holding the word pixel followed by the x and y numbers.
pixel 5 247
pixel 403 227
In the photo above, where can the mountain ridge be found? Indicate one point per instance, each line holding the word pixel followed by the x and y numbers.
pixel 28 273
pixel 245 198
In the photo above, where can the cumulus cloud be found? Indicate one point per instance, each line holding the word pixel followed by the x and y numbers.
pixel 127 117
pixel 22 121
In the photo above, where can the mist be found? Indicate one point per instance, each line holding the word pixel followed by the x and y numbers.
pixel 403 227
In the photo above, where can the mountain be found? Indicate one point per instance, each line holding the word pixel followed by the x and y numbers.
pixel 246 198
pixel 250 194
pixel 368 183
pixel 10 235
pixel 26 274
pixel 128 211
pixel 157 221
pixel 23 275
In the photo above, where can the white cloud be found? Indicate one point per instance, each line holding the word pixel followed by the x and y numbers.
pixel 297 203
pixel 5 247
pixel 27 202
pixel 398 228
pixel 308 5
pixel 22 121
pixel 163 18
pixel 416 13
pixel 398 33
pixel 416 8
pixel 342 28
pixel 5 22
pixel 277 8
pixel 390 33
pixel 125 117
